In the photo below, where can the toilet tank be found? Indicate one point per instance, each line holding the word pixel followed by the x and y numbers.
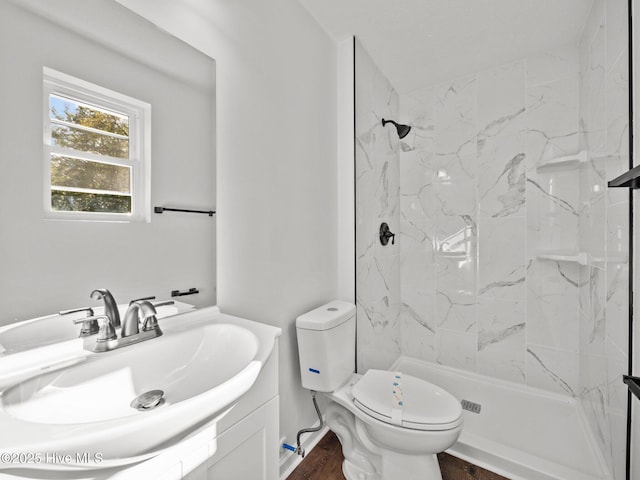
pixel 327 345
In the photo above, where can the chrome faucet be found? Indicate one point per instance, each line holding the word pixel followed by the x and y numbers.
pixel 140 322
pixel 110 306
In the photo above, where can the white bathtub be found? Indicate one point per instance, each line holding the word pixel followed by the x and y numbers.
pixel 522 433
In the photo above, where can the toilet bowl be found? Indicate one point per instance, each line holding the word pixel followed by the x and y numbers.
pixel 390 425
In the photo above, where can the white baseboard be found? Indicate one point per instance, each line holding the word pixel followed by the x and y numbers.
pixel 291 460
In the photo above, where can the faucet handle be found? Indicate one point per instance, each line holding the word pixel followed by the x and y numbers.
pixel 89 323
pixel 150 323
pixel 138 315
pixel 162 304
pixel 105 332
pixel 148 311
pixel 89 311
pixel 153 297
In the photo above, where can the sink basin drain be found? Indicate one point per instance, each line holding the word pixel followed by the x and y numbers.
pixel 148 400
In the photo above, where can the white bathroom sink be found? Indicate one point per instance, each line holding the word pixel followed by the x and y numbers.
pixel 38 332
pixel 204 363
pixel 29 346
pixel 52 329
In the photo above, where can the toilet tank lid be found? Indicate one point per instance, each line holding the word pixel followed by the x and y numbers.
pixel 327 316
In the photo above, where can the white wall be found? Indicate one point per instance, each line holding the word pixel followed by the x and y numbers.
pixel 276 167
pixel 50 265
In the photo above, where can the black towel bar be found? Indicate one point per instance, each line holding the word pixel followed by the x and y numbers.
pixel 163 209
pixel 178 293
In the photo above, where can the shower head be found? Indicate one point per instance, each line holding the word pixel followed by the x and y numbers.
pixel 403 130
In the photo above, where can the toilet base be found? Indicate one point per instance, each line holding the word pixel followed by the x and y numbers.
pixel 416 468
pixel 390 465
pixel 364 460
pixel 410 467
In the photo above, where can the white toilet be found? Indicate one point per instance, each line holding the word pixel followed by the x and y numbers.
pixel 390 425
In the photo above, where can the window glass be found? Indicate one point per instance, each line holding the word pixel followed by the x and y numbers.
pixel 79 173
pixel 93 149
pixel 89 202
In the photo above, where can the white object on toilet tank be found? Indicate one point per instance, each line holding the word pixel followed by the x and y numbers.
pixel 327 345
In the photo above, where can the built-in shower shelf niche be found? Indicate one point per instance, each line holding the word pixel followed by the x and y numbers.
pixel 581 258
pixel 567 162
pixel 562 256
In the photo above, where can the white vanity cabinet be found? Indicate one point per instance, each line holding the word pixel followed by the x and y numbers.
pixel 247 450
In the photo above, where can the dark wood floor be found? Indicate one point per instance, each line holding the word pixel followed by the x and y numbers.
pixel 324 462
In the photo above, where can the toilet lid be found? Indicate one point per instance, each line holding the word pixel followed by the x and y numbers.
pixel 406 401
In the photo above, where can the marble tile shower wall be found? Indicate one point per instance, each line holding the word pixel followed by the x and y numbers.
pixel 377 200
pixel 478 208
pixel 475 211
pixel 603 227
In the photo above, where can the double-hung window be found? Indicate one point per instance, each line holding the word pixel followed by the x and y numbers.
pixel 97 150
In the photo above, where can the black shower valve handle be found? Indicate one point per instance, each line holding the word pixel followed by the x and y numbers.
pixel 386 234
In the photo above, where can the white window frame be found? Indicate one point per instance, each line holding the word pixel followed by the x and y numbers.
pixel 139 113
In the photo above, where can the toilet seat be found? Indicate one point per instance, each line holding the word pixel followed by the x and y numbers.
pixel 406 401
